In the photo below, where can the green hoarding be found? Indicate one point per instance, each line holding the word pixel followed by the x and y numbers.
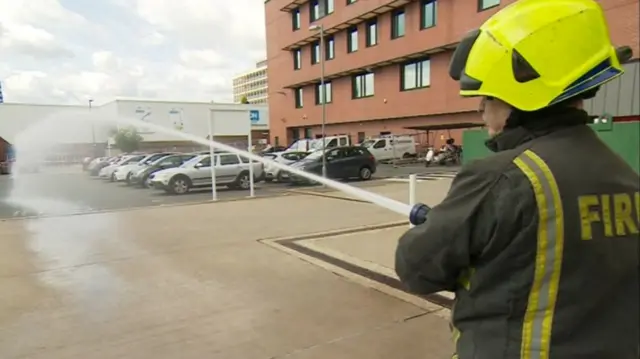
pixel 622 137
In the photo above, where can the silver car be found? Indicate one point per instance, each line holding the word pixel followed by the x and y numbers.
pixel 231 171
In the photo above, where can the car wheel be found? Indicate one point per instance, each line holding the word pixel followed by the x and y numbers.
pixel 128 179
pixel 406 155
pixel 280 178
pixel 112 178
pixel 143 182
pixel 268 179
pixel 365 173
pixel 243 181
pixel 179 185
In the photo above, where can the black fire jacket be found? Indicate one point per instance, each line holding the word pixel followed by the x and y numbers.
pixel 540 243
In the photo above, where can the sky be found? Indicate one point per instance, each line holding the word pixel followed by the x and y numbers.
pixel 70 51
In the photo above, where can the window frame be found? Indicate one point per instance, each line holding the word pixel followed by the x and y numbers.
pixel 482 7
pixel 323 9
pixel 419 64
pixel 330 48
pixel 298 97
pixel 297 59
pixel 360 79
pixel 316 53
pixel 394 23
pixel 296 19
pixel 328 96
pixel 371 22
pixel 350 43
pixel 434 13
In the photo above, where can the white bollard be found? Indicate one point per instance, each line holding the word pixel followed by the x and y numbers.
pixel 413 181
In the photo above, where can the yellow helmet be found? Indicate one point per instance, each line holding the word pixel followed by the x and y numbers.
pixel 536 53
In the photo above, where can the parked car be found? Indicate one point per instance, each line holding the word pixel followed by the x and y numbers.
pixel 109 171
pixel 342 163
pixel 140 176
pixel 287 158
pixel 123 173
pixel 272 149
pixel 231 171
pixel 85 163
pixel 94 169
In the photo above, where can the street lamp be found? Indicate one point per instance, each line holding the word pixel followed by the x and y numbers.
pixel 323 97
pixel 93 130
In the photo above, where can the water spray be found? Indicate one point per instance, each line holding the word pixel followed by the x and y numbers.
pixel 416 214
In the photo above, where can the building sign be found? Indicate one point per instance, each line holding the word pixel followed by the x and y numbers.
pixel 254 116
pixel 175 116
pixel 144 114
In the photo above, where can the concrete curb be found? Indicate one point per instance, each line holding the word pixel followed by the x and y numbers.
pixel 283 244
pixel 336 232
pixel 144 207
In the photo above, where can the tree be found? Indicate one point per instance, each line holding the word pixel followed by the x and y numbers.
pixel 244 100
pixel 127 139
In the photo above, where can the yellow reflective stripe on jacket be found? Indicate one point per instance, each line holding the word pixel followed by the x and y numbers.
pixel 536 330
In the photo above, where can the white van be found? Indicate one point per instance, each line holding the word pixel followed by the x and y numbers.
pixel 391 147
pixel 331 142
pixel 303 144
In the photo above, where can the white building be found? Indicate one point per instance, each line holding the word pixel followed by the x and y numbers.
pixel 252 85
pixel 72 124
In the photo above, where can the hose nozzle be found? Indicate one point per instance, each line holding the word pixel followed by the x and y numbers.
pixel 419 213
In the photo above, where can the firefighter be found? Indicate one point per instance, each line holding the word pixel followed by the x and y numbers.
pixel 540 241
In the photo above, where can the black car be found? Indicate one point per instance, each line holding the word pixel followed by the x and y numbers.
pixel 342 163
pixel 140 176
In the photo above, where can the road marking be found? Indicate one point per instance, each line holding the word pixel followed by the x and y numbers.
pixel 357 270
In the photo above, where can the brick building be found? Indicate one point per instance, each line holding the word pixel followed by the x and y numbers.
pixel 386 64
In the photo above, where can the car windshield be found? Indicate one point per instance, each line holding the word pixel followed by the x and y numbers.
pixel 313 156
pixel 158 160
pixel 151 159
pixel 122 161
pixel 367 143
pixel 193 161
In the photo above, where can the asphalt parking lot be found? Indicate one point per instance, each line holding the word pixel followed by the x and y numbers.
pixel 62 191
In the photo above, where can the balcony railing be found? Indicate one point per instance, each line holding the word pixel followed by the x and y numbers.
pixel 314 36
pixel 371 67
pixel 292 5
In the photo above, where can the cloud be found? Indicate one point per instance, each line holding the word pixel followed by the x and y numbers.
pixel 24 39
pixel 64 51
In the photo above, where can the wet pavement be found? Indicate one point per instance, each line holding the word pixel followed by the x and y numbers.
pixel 200 281
pixel 67 190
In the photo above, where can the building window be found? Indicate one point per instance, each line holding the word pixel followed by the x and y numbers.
pixel 297 59
pixel 361 137
pixel 298 93
pixel 328 93
pixel 372 32
pixel 308 133
pixel 352 39
pixel 295 19
pixel 397 24
pixel 415 75
pixel 363 85
pixel 315 53
pixel 428 13
pixel 330 51
pixel 319 9
pixel 487 4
